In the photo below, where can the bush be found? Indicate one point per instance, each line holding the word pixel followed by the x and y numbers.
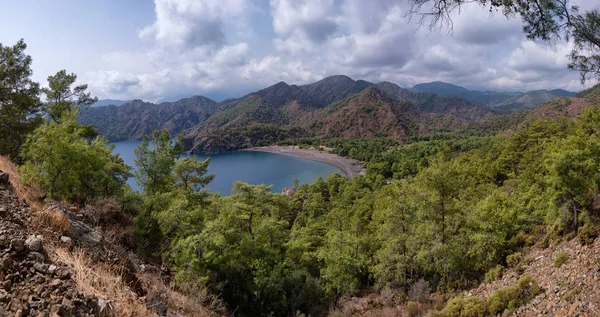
pixel 472 306
pixel 587 234
pixel 514 296
pixel 513 259
pixel 572 294
pixel 561 258
pixel 413 309
pixel 68 166
pixel 494 274
pixel 419 291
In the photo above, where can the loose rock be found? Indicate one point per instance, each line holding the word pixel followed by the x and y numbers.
pixel 35 243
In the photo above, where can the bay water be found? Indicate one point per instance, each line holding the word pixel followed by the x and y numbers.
pixel 248 166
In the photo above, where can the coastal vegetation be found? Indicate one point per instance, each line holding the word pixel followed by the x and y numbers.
pixel 450 195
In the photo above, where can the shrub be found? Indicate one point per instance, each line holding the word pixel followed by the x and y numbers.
pixel 571 294
pixel 472 306
pixel 413 308
pixel 513 259
pixel 494 274
pixel 419 291
pixel 587 234
pixel 561 258
pixel 512 297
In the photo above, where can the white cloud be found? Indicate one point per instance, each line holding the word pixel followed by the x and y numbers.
pixel 191 23
pixel 212 48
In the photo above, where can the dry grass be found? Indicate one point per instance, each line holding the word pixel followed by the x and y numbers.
pixel 188 301
pixel 51 216
pixel 30 194
pixel 101 281
pixel 106 216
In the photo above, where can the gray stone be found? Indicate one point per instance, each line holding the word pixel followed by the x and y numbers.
pixel 17 245
pixel 84 234
pixel 63 272
pixel 41 267
pixel 35 243
pixel 56 283
pixel 66 240
pixel 6 263
pixel 52 268
pixel 36 256
pixel 103 306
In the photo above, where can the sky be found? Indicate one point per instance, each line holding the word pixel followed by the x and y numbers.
pixel 167 49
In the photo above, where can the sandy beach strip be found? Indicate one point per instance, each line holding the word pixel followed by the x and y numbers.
pixel 350 167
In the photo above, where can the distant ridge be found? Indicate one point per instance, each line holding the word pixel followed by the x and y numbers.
pixel 505 102
pixel 333 107
pixel 107 102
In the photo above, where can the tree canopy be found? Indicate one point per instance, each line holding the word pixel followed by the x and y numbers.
pixel 19 99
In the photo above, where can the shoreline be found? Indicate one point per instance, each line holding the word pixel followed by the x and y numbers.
pixel 349 167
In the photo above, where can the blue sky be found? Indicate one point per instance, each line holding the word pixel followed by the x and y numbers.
pixel 128 49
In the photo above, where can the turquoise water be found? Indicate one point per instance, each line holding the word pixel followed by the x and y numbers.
pixel 248 166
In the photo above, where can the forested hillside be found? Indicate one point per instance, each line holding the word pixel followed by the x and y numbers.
pixel 132 120
pixel 284 113
pixel 453 195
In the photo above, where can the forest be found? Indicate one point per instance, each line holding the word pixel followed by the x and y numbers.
pixel 436 214
pixel 440 212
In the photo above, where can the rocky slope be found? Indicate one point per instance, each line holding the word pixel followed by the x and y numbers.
pixel 31 284
pixel 570 289
pixel 58 261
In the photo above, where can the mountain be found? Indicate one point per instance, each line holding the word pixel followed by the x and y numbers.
pixel 530 100
pixel 107 102
pixel 333 88
pixel 281 112
pixel 562 93
pixel 505 102
pixel 432 103
pixel 334 107
pixel 366 115
pixel 482 98
pixel 132 120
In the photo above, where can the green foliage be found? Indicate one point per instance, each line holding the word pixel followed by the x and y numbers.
pixel 19 99
pixel 561 258
pixel 68 166
pixel 588 233
pixel 570 295
pixel 494 274
pixel 514 259
pixel 471 306
pixel 338 236
pixel 156 161
pixel 513 297
pixel 61 98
